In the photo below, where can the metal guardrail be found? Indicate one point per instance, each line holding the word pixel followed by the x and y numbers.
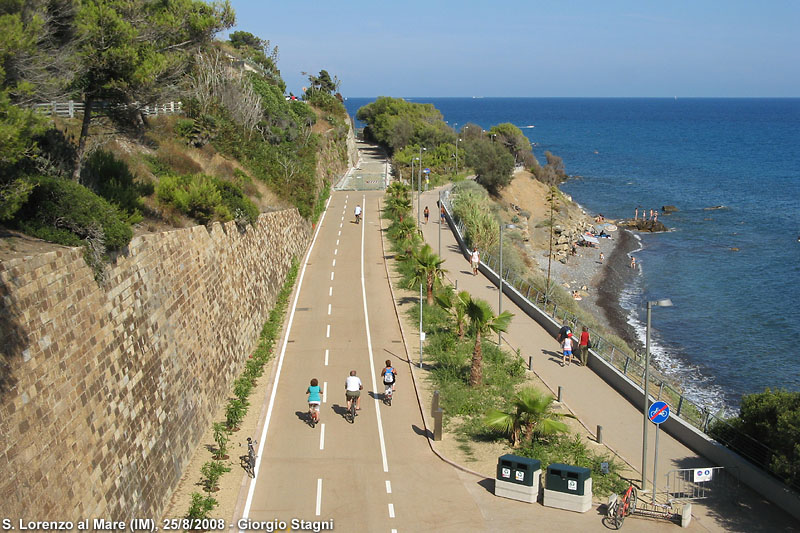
pixel 694 414
pixel 72 108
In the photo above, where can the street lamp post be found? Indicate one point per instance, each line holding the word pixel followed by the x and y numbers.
pixel 658 303
pixel 500 275
pixel 457 139
pixel 419 187
pixel 439 215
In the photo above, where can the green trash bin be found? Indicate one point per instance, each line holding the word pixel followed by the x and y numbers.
pixel 516 469
pixel 567 479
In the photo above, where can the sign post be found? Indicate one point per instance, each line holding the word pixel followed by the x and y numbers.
pixel 658 413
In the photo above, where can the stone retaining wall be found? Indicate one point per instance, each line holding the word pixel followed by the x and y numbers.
pixel 106 391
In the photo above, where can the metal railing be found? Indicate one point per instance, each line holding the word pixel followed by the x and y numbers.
pixel 72 108
pixel 697 415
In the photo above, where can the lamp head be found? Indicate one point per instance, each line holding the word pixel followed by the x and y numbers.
pixel 666 302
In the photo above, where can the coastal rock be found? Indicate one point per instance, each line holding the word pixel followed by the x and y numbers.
pixel 643 225
pixel 669 209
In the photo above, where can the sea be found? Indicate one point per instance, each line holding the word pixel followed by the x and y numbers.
pixel 730 262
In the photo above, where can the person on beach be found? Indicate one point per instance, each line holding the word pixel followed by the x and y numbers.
pixel 475 260
pixel 655 215
pixel 566 346
pixel 601 257
pixel 636 215
pixel 426 213
pixel 633 262
pixel 583 346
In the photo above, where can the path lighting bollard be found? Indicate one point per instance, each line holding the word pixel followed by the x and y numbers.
pixel 437 424
pixel 435 402
pixel 530 362
pixel 646 422
pixel 559 393
pixel 599 434
pixel 439 203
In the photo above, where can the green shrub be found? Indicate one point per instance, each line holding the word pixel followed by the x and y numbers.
pixel 65 212
pixel 212 471
pixel 221 437
pixel 205 198
pixel 201 506
pixel 234 413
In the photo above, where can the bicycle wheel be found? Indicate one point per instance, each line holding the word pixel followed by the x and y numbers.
pixel 611 515
pixel 632 501
pixel 619 514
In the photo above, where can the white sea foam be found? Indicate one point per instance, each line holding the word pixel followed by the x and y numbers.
pixel 696 387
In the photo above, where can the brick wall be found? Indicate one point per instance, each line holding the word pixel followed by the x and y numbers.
pixel 105 391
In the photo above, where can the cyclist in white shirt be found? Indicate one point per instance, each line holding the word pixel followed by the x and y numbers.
pixel 352 390
pixel 358 214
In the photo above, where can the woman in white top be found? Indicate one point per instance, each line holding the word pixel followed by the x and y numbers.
pixel 475 259
pixel 566 345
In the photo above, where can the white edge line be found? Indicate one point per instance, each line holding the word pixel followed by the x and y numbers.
pixel 369 348
pixel 252 488
pixel 319 495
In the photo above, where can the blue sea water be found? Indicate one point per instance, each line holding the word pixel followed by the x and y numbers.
pixel 734 326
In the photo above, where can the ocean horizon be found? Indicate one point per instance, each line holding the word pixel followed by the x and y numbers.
pixel 731 260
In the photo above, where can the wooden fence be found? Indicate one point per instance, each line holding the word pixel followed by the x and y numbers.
pixel 71 109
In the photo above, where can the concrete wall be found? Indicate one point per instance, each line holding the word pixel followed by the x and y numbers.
pixel 106 391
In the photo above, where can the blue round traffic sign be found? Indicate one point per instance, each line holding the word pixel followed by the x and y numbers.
pixel 658 413
pixel 427 171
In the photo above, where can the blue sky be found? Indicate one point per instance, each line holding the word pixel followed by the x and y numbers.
pixel 731 48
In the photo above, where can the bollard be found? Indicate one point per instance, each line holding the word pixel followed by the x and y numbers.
pixel 530 362
pixel 435 403
pixel 437 424
pixel 559 394
pixel 456 285
pixel 599 434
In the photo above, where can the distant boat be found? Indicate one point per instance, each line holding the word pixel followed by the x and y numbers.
pixel 530 126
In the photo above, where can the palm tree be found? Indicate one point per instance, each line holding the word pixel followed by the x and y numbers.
pixel 428 270
pixel 456 305
pixel 533 414
pixel 398 189
pixel 398 207
pixel 482 321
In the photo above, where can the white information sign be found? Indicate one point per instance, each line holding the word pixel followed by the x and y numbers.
pixel 572 484
pixel 702 474
pixel 519 475
pixel 505 472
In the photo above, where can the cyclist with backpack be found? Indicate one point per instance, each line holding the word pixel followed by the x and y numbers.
pixel 389 374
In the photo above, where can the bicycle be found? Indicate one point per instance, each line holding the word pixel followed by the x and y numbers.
pixel 351 414
pixel 619 508
pixel 313 416
pixel 250 459
pixel 387 395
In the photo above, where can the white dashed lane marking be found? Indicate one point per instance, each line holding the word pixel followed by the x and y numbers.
pixel 328 333
pixel 391 510
pixel 322 436
pixel 388 487
pixel 329 308
pixel 331 276
pixel 319 496
pixel 326 357
pixel 330 291
pixel 325 388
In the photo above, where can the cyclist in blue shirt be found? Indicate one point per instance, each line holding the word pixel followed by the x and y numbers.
pixel 314 400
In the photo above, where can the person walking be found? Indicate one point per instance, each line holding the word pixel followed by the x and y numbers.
pixel 475 260
pixel 566 346
pixel 426 213
pixel 565 331
pixel 601 257
pixel 441 215
pixel 583 346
